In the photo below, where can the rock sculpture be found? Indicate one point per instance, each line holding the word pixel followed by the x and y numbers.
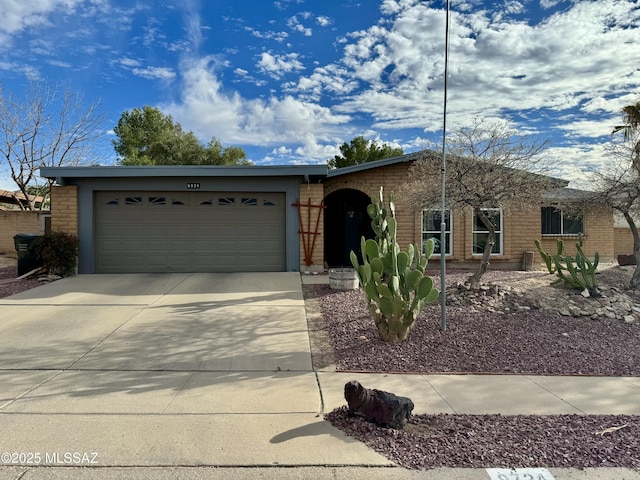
pixel 382 408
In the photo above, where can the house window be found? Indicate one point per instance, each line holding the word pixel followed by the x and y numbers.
pixel 481 233
pixel 555 222
pixel 431 220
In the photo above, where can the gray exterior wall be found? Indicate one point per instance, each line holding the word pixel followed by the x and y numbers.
pixel 87 186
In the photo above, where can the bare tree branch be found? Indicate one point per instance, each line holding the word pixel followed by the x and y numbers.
pixel 45 129
pixel 488 166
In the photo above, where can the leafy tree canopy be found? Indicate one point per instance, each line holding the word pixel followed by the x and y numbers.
pixel 147 136
pixel 360 150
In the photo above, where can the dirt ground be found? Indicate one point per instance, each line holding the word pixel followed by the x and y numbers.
pixel 6 261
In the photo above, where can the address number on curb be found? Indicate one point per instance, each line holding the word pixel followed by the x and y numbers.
pixel 519 474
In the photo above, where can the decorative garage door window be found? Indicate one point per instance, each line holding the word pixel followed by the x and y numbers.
pixel 220 201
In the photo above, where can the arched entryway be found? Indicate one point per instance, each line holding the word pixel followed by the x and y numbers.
pixel 345 222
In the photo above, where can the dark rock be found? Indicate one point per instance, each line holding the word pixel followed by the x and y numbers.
pixel 626 260
pixel 382 408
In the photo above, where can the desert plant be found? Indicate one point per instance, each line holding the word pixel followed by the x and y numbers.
pixel 574 272
pixel 393 280
pixel 58 252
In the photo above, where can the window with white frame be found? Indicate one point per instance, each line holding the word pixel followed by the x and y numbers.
pixel 431 220
pixel 481 232
pixel 556 222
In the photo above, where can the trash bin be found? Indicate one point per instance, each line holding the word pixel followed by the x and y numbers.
pixel 26 255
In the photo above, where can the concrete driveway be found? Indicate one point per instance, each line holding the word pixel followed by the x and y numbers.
pixel 165 369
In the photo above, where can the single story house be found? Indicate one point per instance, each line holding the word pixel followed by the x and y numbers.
pixel 276 218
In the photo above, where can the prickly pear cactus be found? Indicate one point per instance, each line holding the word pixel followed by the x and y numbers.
pixel 393 280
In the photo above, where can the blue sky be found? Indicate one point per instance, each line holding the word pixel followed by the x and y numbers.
pixel 291 80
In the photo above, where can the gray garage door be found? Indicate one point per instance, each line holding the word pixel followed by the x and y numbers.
pixel 189 232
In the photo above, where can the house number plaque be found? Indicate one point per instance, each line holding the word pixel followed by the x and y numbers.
pixel 519 474
pixel 193 186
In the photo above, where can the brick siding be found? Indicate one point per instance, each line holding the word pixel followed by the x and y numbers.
pixel 622 241
pixel 598 237
pixel 521 226
pixel 13 222
pixel 64 209
pixel 311 194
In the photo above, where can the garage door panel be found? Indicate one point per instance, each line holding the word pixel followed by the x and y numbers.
pixel 189 231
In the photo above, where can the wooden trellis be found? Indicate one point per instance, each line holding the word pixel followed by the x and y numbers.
pixel 308 236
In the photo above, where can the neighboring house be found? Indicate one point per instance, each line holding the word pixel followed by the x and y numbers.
pixel 17 200
pixel 277 218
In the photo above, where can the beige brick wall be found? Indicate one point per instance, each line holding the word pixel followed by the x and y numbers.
pixel 598 237
pixel 521 226
pixel 622 241
pixel 13 222
pixel 394 179
pixel 309 218
pixel 64 209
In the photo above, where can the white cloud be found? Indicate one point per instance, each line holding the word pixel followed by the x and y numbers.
pixel 281 151
pixel 294 24
pixel 208 110
pixel 283 4
pixel 153 73
pixel 19 15
pixel 549 3
pixel 279 65
pixel 323 21
pixel 130 62
pixel 561 64
pixel 268 35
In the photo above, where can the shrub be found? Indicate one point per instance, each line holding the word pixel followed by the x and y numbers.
pixel 58 252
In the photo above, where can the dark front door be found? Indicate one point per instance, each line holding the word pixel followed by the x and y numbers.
pixel 345 222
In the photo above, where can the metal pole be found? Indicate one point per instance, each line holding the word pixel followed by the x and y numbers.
pixel 443 174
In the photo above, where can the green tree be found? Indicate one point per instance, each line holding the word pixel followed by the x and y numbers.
pixel 631 118
pixel 360 150
pixel 147 136
pixel 619 181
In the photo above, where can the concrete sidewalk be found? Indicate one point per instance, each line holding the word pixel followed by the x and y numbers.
pixel 210 376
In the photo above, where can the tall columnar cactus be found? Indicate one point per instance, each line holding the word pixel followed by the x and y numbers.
pixel 578 272
pixel 393 280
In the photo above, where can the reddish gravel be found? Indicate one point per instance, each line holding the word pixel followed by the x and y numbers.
pixel 532 343
pixel 10 286
pixel 485 441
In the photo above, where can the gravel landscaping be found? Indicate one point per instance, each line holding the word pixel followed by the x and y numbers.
pixel 10 286
pixel 531 340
